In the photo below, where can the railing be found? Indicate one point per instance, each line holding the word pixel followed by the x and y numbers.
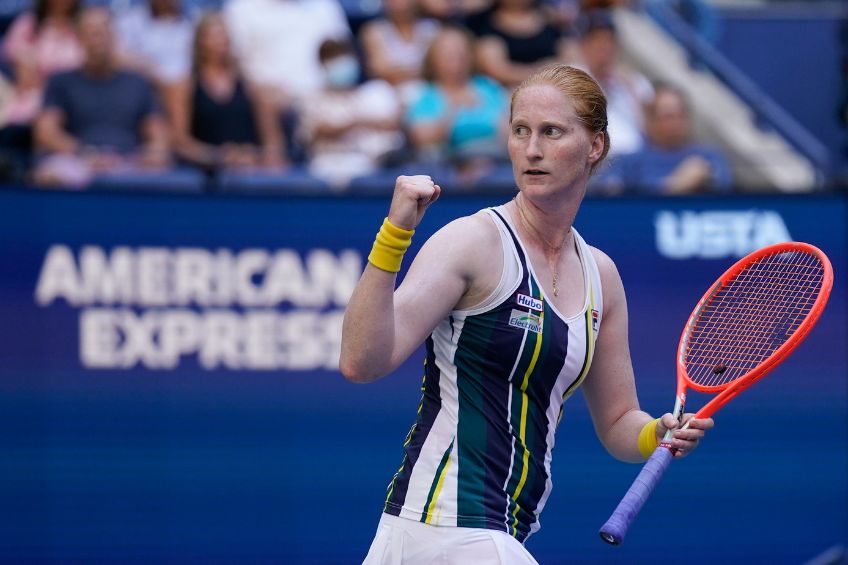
pixel 766 110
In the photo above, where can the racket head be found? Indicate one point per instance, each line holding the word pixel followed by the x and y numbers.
pixel 754 315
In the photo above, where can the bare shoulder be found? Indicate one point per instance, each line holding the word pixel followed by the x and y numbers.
pixel 606 265
pixel 467 250
pixel 613 288
pixel 466 239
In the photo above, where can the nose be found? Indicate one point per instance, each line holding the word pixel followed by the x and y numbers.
pixel 533 150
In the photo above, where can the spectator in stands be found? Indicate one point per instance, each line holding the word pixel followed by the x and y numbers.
pixel 349 127
pixel 219 120
pixel 627 90
pixel 98 119
pixel 460 116
pixel 671 163
pixel 276 42
pixel 39 43
pixel 516 39
pixel 154 38
pixel 394 46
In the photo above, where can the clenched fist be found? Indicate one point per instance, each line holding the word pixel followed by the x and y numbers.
pixel 410 200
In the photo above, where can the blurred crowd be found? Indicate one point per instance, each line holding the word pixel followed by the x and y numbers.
pixel 296 89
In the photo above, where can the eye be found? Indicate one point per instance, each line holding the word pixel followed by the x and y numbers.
pixel 520 131
pixel 552 131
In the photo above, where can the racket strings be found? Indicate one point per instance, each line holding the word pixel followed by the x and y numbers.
pixel 770 301
pixel 751 316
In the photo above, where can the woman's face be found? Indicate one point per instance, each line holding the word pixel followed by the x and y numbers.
pixel 451 57
pixel 550 148
pixel 215 41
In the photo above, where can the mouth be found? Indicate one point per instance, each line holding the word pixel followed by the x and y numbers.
pixel 535 172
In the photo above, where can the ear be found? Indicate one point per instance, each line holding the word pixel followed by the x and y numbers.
pixel 597 149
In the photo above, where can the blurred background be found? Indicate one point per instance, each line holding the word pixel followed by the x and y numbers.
pixel 189 193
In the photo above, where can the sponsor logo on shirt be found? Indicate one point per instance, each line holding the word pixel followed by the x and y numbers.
pixel 596 319
pixel 529 302
pixel 525 321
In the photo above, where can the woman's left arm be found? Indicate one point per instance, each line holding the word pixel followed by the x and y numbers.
pixel 610 387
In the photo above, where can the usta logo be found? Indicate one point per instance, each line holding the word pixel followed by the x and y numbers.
pixel 717 234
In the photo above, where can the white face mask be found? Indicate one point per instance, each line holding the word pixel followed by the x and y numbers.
pixel 342 72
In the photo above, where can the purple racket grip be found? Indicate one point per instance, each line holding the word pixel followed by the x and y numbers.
pixel 615 529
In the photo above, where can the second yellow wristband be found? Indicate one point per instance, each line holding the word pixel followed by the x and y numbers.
pixel 648 438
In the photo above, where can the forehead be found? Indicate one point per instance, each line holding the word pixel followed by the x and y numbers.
pixel 543 102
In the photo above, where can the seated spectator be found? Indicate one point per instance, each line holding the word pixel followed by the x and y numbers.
pixel 39 43
pixel 276 42
pixel 460 116
pixel 671 163
pixel 348 127
pixel 627 91
pixel 154 38
pixel 395 45
pixel 516 39
pixel 98 119
pixel 219 120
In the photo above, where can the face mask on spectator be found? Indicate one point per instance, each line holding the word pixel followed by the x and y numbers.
pixel 342 72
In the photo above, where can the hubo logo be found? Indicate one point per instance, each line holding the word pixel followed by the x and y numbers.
pixel 717 234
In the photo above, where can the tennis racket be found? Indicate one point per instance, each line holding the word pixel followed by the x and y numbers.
pixel 745 325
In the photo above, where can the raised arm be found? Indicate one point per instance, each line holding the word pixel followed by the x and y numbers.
pixel 610 387
pixel 382 327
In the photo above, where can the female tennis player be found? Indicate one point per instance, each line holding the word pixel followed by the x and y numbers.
pixel 517 311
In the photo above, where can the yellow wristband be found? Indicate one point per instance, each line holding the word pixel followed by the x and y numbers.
pixel 389 246
pixel 648 438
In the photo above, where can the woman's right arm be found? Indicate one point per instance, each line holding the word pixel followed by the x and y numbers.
pixel 382 327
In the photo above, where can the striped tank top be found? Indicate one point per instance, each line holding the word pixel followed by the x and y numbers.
pixel 495 381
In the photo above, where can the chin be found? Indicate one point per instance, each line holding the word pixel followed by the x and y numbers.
pixel 547 187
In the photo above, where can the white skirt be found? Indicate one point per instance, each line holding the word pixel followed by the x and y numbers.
pixel 405 542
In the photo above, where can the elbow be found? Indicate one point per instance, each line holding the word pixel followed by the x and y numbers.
pixel 355 372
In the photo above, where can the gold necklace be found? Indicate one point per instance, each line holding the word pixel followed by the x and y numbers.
pixel 555 248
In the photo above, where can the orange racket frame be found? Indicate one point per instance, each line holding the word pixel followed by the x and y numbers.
pixel 614 530
pixel 732 389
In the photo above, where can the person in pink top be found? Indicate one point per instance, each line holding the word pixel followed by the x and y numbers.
pixel 38 44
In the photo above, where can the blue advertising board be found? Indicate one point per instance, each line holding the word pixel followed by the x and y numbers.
pixel 169 388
